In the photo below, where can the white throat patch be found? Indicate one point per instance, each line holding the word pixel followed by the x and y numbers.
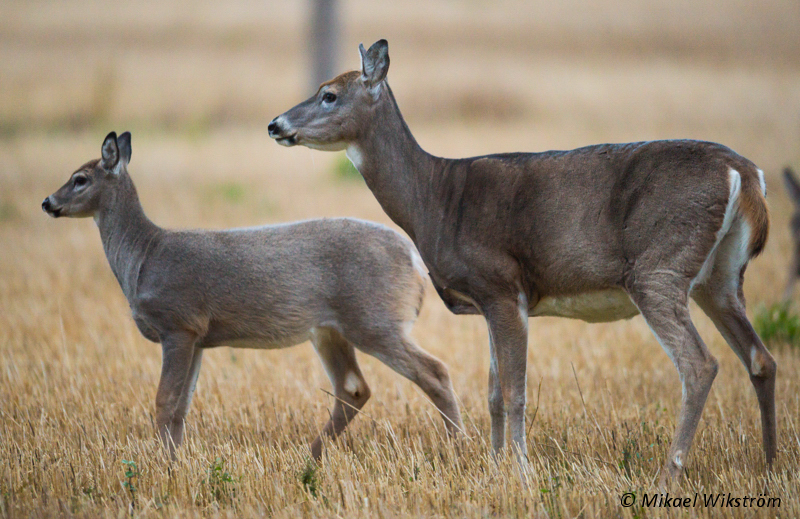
pixel 354 154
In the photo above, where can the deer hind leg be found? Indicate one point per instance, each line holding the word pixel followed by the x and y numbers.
pixel 722 299
pixel 349 386
pixel 663 304
pixel 179 371
pixel 398 350
pixel 728 314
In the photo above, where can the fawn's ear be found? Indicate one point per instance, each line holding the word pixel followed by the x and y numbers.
pixel 374 63
pixel 124 146
pixel 792 187
pixel 110 152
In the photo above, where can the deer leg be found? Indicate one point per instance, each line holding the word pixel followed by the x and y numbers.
pixel 666 312
pixel 401 353
pixel 180 366
pixel 497 411
pixel 508 329
pixel 788 292
pixel 185 400
pixel 727 311
pixel 351 390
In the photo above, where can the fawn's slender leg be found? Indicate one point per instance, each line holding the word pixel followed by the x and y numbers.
pixel 351 390
pixel 398 351
pixel 187 393
pixel 180 366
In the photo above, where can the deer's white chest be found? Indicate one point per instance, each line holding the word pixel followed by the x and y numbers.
pixel 594 307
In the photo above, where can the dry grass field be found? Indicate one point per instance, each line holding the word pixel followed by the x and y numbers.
pixel 197 84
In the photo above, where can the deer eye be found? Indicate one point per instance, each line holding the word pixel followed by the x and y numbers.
pixel 328 97
pixel 80 181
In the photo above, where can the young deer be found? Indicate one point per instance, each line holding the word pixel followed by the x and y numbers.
pixel 598 233
pixel 793 188
pixel 341 283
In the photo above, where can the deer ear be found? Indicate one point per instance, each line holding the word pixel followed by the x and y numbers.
pixel 374 63
pixel 124 145
pixel 792 187
pixel 110 151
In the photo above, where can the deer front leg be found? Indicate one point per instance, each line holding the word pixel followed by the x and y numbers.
pixel 180 367
pixel 179 418
pixel 497 411
pixel 508 329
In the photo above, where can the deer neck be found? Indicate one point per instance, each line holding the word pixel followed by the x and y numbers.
pixel 393 165
pixel 126 232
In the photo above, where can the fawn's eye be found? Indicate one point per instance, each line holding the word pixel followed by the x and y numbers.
pixel 80 181
pixel 328 97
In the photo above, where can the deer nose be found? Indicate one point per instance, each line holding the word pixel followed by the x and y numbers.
pixel 46 204
pixel 273 127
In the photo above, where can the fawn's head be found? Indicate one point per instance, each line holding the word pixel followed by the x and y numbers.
pixel 337 113
pixel 82 194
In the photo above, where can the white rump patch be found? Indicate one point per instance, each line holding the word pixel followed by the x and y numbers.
pixel 600 306
pixel 735 181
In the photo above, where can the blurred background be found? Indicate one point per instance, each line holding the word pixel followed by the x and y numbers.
pixel 470 75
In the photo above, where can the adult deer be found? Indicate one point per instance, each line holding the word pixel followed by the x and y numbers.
pixel 793 188
pixel 598 233
pixel 341 283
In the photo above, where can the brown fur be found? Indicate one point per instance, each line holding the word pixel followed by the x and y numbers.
pixel 597 233
pixel 339 81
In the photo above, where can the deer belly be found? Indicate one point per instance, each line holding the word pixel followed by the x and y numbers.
pixel 254 339
pixel 593 307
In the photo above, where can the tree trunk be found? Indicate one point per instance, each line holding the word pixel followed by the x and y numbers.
pixel 324 41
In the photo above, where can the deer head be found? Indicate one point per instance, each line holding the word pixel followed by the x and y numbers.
pixel 83 193
pixel 338 113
